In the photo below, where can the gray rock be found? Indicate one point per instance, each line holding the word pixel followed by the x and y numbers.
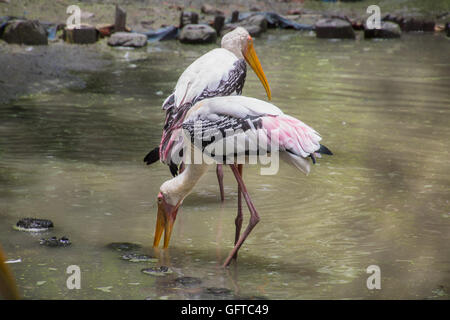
pixel 197 34
pixel 255 25
pixel 209 9
pixel 334 29
pixel 126 39
pixel 29 32
pixel 411 22
pixel 388 30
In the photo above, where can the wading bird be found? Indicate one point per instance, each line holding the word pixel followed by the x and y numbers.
pixel 220 72
pixel 215 122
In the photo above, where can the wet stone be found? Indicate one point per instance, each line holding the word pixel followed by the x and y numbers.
pixel 138 257
pixel 218 291
pixel 55 242
pixel 334 29
pixel 33 225
pixel 157 271
pixel 188 281
pixel 123 246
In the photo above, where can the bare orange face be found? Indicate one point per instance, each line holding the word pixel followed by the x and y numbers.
pixel 164 221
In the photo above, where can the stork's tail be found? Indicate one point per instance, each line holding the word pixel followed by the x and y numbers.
pixel 152 156
pixel 324 150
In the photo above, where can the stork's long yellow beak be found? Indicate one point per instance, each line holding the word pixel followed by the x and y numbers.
pixel 8 287
pixel 252 59
pixel 164 223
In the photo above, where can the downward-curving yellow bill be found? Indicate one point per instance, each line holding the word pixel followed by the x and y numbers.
pixel 253 61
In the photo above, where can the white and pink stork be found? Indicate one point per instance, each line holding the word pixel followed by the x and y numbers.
pixel 220 72
pixel 237 115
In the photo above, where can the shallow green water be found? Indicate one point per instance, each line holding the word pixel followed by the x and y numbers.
pixel 75 157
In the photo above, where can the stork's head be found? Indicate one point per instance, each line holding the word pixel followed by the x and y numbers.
pixel 240 43
pixel 167 213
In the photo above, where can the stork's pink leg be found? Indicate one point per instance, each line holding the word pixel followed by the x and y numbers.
pixel 219 172
pixel 254 217
pixel 239 217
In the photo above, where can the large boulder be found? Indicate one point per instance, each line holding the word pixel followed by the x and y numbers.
pixel 388 30
pixel 411 22
pixel 197 34
pixel 255 25
pixel 127 39
pixel 334 29
pixel 29 32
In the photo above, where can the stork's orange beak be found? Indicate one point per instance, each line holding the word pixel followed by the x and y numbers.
pixel 164 221
pixel 252 59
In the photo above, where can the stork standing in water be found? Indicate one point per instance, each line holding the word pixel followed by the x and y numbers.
pixel 246 118
pixel 220 72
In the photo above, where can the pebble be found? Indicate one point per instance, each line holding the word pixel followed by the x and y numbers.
pixel 55 242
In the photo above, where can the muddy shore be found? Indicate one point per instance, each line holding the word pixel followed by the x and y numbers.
pixel 31 69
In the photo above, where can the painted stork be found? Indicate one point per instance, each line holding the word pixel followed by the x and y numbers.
pixel 220 72
pixel 215 122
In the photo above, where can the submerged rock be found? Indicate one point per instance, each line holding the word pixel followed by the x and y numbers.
pixel 124 246
pixel 157 271
pixel 387 30
pixel 137 257
pixel 334 29
pixel 188 281
pixel 197 34
pixel 55 242
pixel 33 225
pixel 217 293
pixel 29 32
pixel 127 39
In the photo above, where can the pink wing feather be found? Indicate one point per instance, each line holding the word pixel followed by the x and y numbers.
pixel 294 136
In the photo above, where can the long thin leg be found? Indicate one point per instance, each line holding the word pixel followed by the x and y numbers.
pixel 219 172
pixel 254 217
pixel 239 217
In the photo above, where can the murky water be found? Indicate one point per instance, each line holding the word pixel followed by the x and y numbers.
pixel 75 157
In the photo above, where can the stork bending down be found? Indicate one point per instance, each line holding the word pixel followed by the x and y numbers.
pixel 208 126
